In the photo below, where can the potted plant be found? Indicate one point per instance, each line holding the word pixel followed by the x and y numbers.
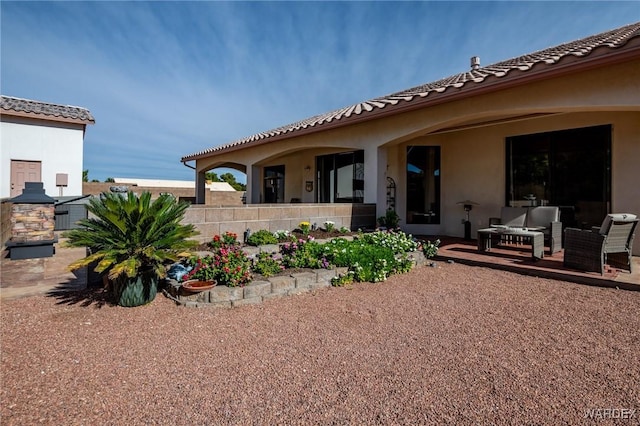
pixel 132 239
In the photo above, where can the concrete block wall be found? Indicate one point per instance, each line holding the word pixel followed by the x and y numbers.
pixel 215 220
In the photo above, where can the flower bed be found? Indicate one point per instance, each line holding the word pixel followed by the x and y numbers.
pixel 295 266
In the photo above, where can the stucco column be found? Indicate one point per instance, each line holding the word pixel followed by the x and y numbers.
pixel 374 166
pixel 200 188
pixel 253 184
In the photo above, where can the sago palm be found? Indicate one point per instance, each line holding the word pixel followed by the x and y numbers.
pixel 131 234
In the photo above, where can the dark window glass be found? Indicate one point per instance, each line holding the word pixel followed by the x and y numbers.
pixel 423 184
pixel 274 184
pixel 341 177
pixel 569 168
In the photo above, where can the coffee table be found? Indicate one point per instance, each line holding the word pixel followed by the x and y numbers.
pixel 489 236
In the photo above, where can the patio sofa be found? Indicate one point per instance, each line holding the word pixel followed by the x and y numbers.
pixel 545 219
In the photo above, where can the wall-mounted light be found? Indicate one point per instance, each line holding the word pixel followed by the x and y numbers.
pixel 308 186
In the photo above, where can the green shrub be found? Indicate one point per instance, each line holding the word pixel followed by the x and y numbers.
pixel 304 254
pixel 228 239
pixel 397 241
pixel 390 220
pixel 261 237
pixel 229 266
pixel 430 249
pixel 342 279
pixel 267 264
pixel 284 236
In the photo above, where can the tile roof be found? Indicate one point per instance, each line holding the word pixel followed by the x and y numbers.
pixel 547 60
pixel 28 108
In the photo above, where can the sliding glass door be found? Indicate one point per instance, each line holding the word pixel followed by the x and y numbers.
pixel 569 168
pixel 423 184
pixel 341 177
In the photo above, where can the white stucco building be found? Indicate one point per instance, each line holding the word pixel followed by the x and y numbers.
pixel 41 142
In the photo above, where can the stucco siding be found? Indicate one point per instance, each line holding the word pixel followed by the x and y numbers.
pixel 59 148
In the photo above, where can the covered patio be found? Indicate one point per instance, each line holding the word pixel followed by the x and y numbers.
pixel 517 258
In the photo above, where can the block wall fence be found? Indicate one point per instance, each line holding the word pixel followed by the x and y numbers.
pixel 213 220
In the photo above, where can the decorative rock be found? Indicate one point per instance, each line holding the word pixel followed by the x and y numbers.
pixel 298 291
pixel 248 301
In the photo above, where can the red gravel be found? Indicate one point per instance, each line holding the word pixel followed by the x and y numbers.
pixel 452 344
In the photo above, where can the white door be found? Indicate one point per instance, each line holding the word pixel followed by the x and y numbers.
pixel 24 171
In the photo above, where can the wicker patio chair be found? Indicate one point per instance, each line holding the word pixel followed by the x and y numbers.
pixel 611 243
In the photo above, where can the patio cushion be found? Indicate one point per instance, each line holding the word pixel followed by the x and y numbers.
pixel 542 216
pixel 618 217
pixel 513 216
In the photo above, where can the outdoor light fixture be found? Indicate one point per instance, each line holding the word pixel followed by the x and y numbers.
pixel 308 186
pixel 468 205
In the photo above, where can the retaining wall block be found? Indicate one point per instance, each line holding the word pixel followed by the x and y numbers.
pixel 341 270
pixel 225 294
pixel 201 297
pixel 269 248
pixel 251 251
pixel 323 275
pixel 257 289
pixel 246 301
pixel 282 284
pixel 305 279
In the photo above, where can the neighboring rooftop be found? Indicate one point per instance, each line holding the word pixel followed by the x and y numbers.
pixel 565 57
pixel 162 183
pixel 45 111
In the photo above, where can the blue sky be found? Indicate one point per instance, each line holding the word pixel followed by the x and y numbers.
pixel 167 79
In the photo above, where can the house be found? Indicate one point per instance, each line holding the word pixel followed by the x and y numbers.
pixel 218 193
pixel 41 142
pixel 560 126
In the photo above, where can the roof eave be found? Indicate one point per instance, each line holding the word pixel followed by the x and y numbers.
pixel 45 117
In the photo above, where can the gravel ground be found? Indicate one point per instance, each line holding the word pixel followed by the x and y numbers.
pixel 448 345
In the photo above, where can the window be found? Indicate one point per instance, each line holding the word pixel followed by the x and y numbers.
pixel 341 177
pixel 423 184
pixel 569 168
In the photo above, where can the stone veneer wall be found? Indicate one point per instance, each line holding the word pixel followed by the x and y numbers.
pixel 212 220
pixel 32 222
pixel 260 291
